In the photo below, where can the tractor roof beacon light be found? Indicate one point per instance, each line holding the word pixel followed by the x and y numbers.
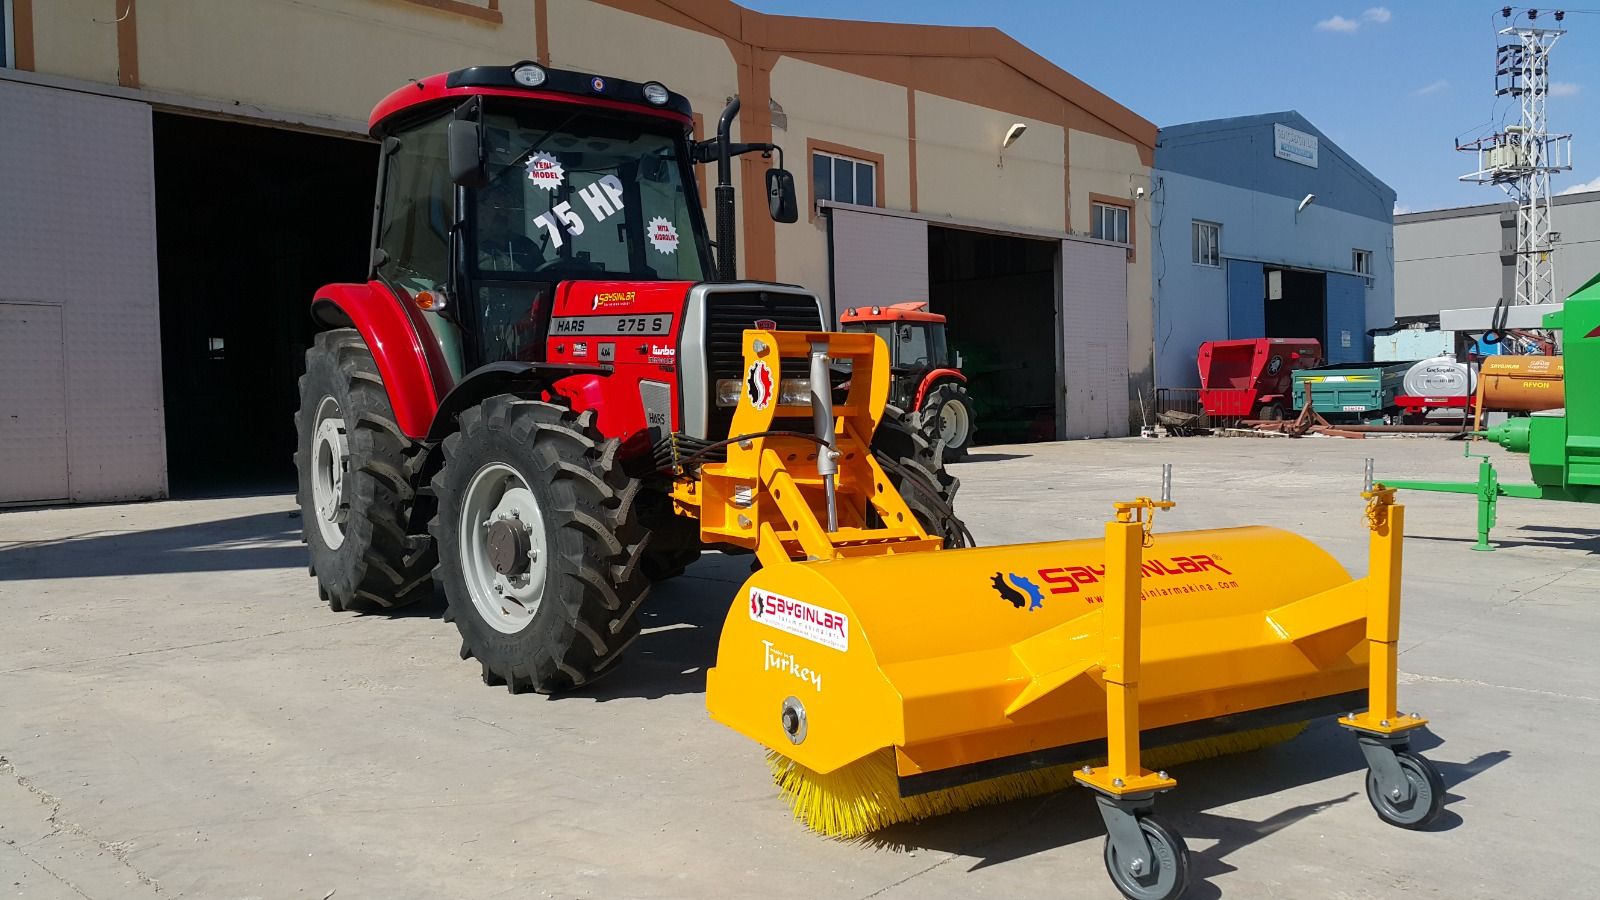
pixel 530 75
pixel 656 93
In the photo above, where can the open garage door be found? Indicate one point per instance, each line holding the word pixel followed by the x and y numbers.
pixel 877 259
pixel 1094 339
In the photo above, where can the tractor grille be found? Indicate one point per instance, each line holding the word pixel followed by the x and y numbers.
pixel 727 317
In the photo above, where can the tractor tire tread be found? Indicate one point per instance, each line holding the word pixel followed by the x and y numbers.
pixel 378 566
pixel 594 540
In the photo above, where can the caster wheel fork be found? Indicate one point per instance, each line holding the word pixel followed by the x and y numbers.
pixel 1404 788
pixel 1145 858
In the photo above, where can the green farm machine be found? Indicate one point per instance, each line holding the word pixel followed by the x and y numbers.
pixel 1563 445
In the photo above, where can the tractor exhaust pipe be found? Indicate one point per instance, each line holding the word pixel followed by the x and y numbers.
pixel 822 422
pixel 727 237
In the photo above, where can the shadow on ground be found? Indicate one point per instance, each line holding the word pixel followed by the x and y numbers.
pixel 1325 752
pixel 1549 537
pixel 260 541
pixel 682 621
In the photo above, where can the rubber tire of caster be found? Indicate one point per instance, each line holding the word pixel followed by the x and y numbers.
pixel 593 580
pixel 373 563
pixel 1425 780
pixel 913 459
pixel 932 413
pixel 1271 412
pixel 1168 880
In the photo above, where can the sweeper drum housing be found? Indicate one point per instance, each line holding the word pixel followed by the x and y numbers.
pixel 981 662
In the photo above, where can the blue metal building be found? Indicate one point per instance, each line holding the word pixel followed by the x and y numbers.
pixel 1240 251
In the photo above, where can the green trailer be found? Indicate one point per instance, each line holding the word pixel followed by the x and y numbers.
pixel 1354 392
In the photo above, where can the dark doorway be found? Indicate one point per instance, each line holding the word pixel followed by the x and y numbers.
pixel 1302 312
pixel 250 221
pixel 998 294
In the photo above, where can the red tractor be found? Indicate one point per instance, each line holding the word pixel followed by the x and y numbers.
pixel 513 405
pixel 927 380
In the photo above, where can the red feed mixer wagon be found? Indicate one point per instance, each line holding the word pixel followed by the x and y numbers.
pixel 1250 378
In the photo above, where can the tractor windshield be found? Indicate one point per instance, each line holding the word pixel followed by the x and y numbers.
pixel 593 197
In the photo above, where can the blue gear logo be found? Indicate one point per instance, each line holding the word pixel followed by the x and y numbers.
pixel 1018 591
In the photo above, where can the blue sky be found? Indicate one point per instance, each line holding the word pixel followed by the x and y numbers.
pixel 1394 85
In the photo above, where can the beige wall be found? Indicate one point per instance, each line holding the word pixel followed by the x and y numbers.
pixel 327 58
pixel 872 118
pixel 960 171
pixel 1111 168
pixel 68 41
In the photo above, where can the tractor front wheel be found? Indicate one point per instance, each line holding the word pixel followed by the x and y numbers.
pixel 354 490
pixel 947 410
pixel 540 550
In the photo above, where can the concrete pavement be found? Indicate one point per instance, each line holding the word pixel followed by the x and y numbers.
pixel 179 717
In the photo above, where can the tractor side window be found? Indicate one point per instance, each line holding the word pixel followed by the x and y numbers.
pixel 913 345
pixel 417 210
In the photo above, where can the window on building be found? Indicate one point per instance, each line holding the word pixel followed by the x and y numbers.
pixel 844 180
pixel 1361 264
pixel 1207 243
pixel 1108 222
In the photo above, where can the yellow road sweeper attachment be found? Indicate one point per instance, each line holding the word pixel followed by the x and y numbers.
pixel 891 683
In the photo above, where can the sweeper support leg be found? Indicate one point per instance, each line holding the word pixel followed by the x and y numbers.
pixel 1145 859
pixel 1403 787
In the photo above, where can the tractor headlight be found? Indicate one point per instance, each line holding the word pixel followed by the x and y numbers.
pixel 528 75
pixel 728 391
pixel 656 93
pixel 794 392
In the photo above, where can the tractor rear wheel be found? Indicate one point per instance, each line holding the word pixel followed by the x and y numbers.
pixel 947 410
pixel 540 549
pixel 354 489
pixel 912 455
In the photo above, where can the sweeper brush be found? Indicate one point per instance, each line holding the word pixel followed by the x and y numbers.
pixel 893 682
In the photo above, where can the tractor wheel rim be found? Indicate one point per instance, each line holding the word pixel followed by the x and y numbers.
pixel 499 494
pixel 330 466
pixel 953 424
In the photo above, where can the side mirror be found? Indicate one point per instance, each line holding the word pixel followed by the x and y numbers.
pixel 465 147
pixel 781 202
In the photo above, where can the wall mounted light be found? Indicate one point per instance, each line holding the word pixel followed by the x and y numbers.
pixel 1307 201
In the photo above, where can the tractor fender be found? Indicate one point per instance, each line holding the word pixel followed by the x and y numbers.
pixel 931 380
pixel 403 362
pixel 507 377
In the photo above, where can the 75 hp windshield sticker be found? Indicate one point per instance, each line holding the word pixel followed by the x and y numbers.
pixel 801 619
pixel 603 198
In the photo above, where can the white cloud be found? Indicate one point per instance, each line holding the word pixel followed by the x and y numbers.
pixel 1431 88
pixel 1339 24
pixel 1564 89
pixel 1581 188
pixel 1377 15
pixel 1401 209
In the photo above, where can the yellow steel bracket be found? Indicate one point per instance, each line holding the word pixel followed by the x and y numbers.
pixel 1121 628
pixel 1386 526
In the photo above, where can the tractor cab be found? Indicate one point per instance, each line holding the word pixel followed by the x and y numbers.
pixel 503 186
pixel 927 378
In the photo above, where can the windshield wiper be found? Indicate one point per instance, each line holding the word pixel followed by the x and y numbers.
pixel 533 148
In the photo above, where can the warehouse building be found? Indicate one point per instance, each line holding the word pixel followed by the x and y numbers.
pixel 1466 256
pixel 1265 228
pixel 179 177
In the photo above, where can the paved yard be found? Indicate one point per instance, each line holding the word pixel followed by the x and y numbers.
pixel 179 717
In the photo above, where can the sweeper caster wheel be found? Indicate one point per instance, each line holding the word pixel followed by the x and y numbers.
pixel 1163 874
pixel 1413 809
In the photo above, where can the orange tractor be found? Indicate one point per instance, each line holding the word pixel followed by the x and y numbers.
pixel 928 382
